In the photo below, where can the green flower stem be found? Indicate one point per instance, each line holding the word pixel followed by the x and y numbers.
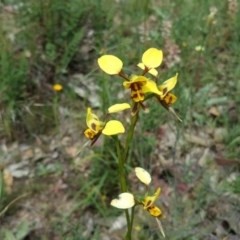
pixel 1 185
pixel 130 136
pixel 122 153
pixel 131 221
pixel 123 183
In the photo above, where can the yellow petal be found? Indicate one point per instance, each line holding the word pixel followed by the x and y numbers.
pixel 89 133
pixel 118 107
pixel 143 175
pixel 154 211
pixel 168 85
pixel 152 58
pixel 124 201
pixel 152 71
pixel 170 98
pixel 113 127
pixel 140 80
pixel 151 86
pixel 141 65
pixel 110 64
pixel 93 122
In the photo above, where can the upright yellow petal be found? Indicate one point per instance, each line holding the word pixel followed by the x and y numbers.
pixel 124 201
pixel 113 127
pixel 93 122
pixel 168 85
pixel 118 107
pixel 143 175
pixel 110 64
pixel 149 200
pixel 152 58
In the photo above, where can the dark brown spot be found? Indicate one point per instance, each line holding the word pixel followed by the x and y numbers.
pixel 135 87
pixel 134 95
pixel 148 205
pixel 93 126
pixel 165 91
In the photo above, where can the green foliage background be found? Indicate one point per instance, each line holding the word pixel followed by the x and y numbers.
pixel 48 41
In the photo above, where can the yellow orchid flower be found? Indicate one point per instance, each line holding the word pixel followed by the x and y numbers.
pixel 167 98
pixel 148 204
pixel 126 200
pixel 151 59
pixel 96 127
pixel 140 85
pixel 135 84
pixel 110 64
pixel 166 87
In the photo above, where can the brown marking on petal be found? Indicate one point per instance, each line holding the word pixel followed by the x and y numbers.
pixel 134 95
pixel 93 126
pixel 168 99
pixel 148 204
pixel 135 87
pixel 165 90
pixel 137 96
pixel 154 211
pixel 89 133
pixel 135 108
pixel 149 208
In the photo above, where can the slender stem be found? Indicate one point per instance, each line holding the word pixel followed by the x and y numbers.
pixel 123 184
pixel 132 218
pixel 130 136
pixel 122 159
pixel 122 176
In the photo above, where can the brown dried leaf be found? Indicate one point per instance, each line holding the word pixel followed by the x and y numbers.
pixel 213 111
pixel 198 140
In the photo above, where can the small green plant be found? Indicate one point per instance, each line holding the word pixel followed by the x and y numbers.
pixel 142 89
